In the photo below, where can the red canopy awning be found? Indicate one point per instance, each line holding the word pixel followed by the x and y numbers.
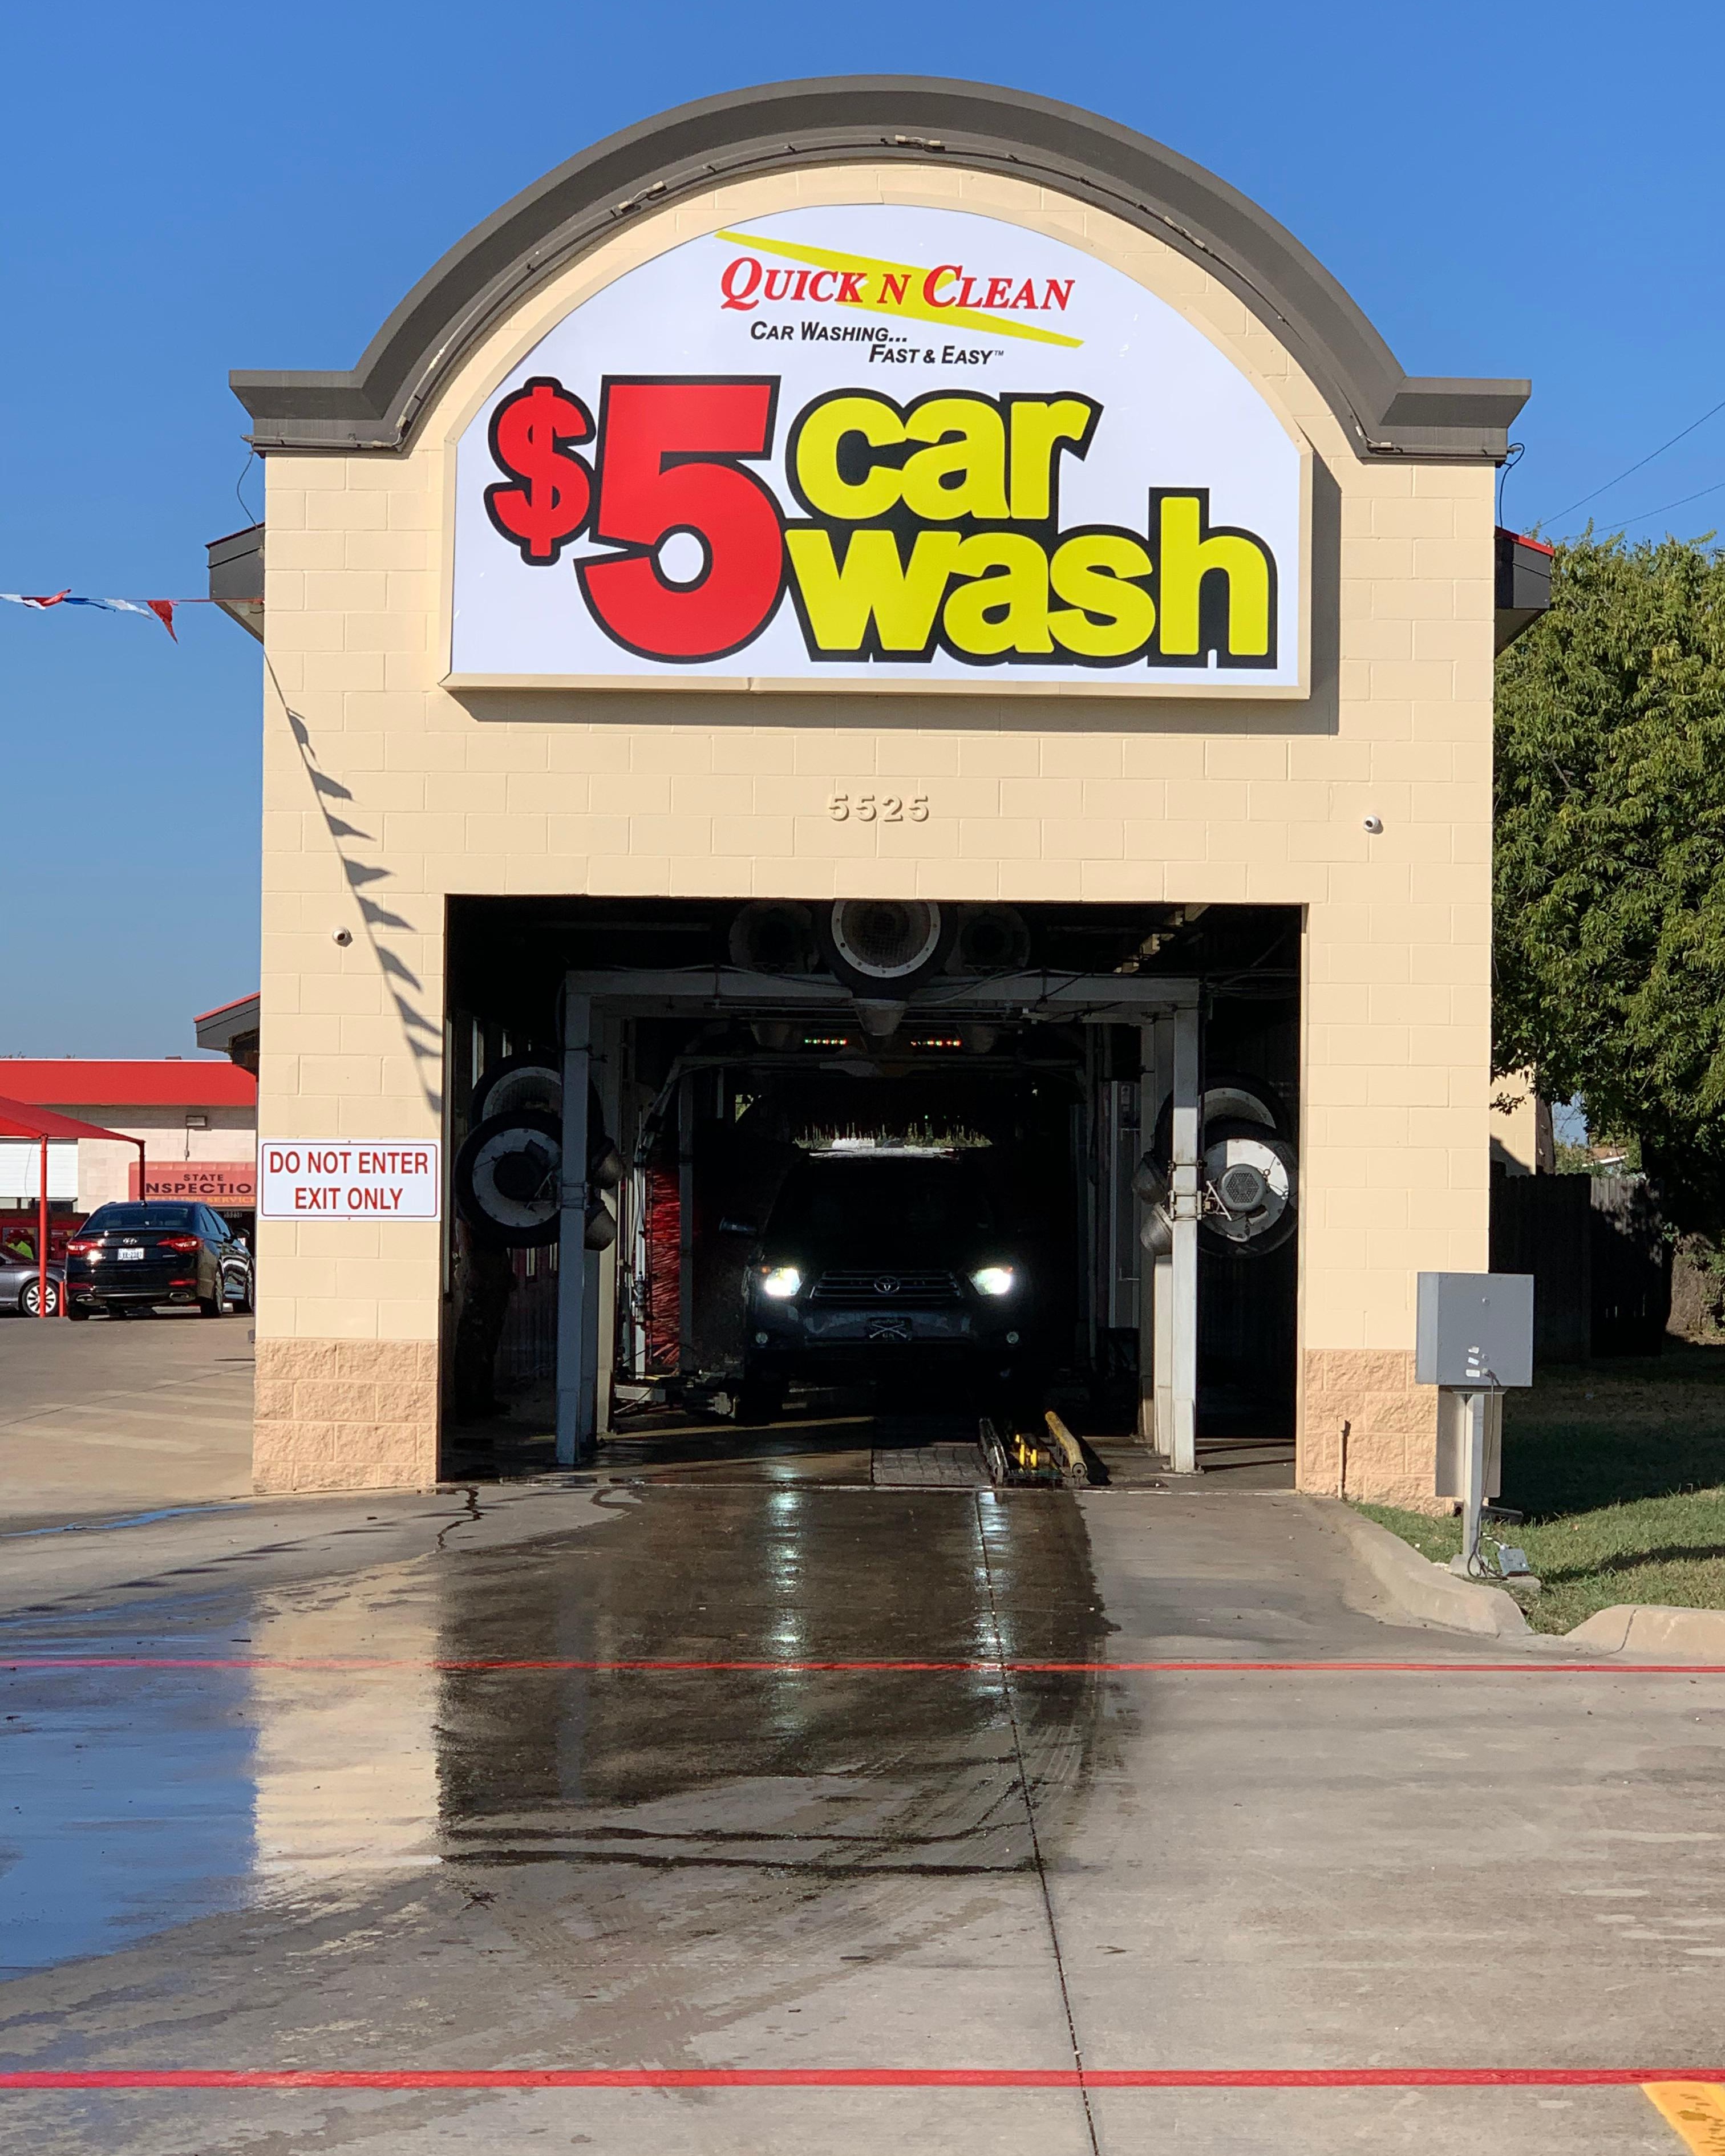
pixel 21 1119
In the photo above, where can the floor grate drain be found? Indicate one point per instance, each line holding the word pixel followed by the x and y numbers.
pixel 928 1467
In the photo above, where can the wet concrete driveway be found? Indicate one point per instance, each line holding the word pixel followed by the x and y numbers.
pixel 787 1779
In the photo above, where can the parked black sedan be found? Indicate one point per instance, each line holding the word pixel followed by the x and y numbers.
pixel 135 1256
pixel 21 1283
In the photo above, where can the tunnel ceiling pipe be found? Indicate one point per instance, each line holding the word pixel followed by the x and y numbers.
pixel 885 947
pixel 689 991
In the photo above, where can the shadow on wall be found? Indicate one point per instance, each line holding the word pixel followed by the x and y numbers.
pixel 422 1035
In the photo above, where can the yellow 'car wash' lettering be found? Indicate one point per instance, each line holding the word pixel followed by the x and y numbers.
pixel 819 444
pixel 874 599
pixel 987 458
pixel 1186 554
pixel 934 524
pixel 1107 613
pixel 963 472
pixel 1040 427
pixel 1004 607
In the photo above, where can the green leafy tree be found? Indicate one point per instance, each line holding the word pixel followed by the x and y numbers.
pixel 1611 855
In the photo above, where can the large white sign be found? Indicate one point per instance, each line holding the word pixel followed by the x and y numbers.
pixel 887 443
pixel 346 1179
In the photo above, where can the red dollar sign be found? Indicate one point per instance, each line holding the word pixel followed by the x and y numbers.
pixel 543 516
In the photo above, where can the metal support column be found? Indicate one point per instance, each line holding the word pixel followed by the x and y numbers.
pixel 1181 1440
pixel 1155 1076
pixel 575 1284
pixel 686 1224
pixel 602 1323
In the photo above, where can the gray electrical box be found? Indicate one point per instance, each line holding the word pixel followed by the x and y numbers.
pixel 1475 1331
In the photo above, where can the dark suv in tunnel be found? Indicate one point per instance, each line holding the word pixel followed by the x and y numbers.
pixel 880 1263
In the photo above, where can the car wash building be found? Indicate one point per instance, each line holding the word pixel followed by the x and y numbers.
pixel 880 615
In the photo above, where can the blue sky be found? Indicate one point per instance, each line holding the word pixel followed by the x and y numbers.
pixel 1505 192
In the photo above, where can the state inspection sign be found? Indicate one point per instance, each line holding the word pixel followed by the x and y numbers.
pixel 347 1179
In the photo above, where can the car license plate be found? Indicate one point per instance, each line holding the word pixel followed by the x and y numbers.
pixel 125 1255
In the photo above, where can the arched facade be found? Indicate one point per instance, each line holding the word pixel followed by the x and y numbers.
pixel 443 721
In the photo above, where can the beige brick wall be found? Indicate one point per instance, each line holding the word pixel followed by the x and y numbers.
pixel 388 793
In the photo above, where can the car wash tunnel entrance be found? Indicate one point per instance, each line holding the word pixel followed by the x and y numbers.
pixel 772 1167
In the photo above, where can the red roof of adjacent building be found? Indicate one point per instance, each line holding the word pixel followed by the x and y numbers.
pixel 20 1119
pixel 73 1081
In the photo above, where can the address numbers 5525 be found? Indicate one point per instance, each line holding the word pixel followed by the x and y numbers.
pixel 878 808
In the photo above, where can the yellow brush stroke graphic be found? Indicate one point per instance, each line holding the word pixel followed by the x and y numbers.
pixel 913 307
pixel 1695 2111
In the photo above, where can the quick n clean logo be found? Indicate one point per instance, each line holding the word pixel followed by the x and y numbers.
pixel 946 293
pixel 930 526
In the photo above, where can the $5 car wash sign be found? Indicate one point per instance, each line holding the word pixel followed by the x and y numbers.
pixel 896 444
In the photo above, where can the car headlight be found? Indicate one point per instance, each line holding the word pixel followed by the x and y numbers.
pixel 993 1280
pixel 781 1283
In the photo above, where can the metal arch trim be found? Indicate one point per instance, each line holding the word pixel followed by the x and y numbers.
pixel 1383 411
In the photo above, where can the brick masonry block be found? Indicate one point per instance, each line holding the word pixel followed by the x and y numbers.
pixel 1391 1426
pixel 345 1415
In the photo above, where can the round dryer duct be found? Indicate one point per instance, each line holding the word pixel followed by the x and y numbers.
pixel 509 1177
pixel 530 1081
pixel 883 947
pixel 509 1183
pixel 1248 1172
pixel 773 936
pixel 991 939
pixel 1251 1175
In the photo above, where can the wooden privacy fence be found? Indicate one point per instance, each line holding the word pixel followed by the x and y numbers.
pixel 1600 1262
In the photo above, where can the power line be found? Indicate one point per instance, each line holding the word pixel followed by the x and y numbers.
pixel 1622 475
pixel 1677 504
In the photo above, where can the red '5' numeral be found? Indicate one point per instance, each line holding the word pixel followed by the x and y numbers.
pixel 668 451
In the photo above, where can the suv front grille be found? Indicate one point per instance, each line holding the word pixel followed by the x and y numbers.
pixel 881 1288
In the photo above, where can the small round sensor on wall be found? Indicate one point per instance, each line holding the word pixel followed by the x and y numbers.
pixel 344 936
pixel 1374 825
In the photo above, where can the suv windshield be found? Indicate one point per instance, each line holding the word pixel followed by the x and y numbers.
pixel 106 1219
pixel 871 1198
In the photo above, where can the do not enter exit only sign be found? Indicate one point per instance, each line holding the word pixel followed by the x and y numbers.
pixel 346 1179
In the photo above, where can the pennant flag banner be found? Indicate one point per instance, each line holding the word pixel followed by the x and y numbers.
pixel 162 609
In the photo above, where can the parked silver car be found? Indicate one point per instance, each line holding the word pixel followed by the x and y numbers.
pixel 21 1284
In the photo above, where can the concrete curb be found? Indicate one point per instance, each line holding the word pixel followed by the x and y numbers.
pixel 1654 1628
pixel 1420 1589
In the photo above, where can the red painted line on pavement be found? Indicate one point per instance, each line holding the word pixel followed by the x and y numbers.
pixel 888 2077
pixel 358 1664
